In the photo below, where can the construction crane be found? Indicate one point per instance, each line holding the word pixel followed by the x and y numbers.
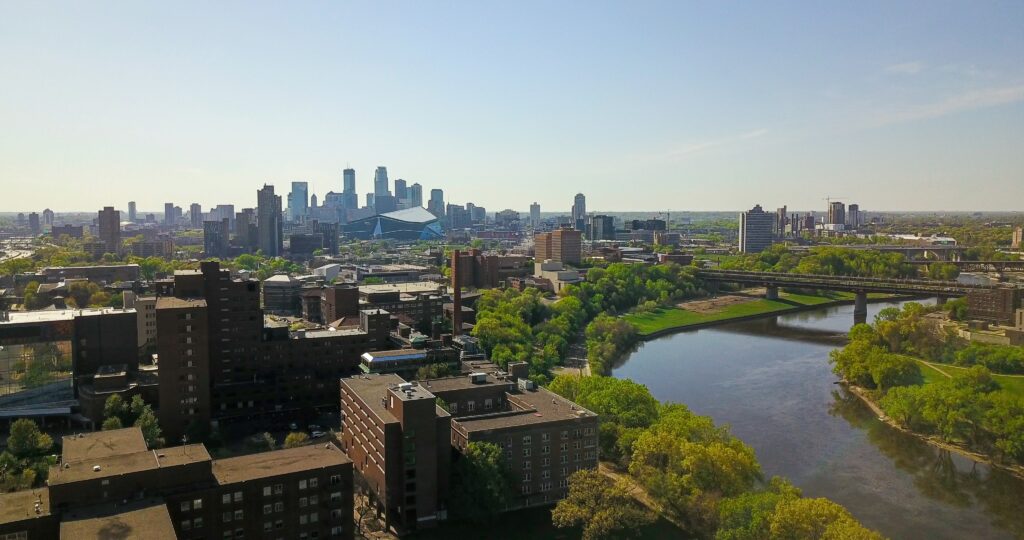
pixel 828 200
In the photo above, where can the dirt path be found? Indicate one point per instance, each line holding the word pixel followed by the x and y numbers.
pixel 638 492
pixel 718 303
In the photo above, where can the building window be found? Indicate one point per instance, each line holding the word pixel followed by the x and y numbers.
pixel 527 464
pixel 225 498
pixel 197 523
pixel 488 404
pixel 312 500
pixel 266 491
pixel 545 462
pixel 563 447
pixel 545 474
pixel 186 506
pixel 303 502
pixel 267 526
pixel 227 517
pixel 279 507
pixel 335 496
pixel 565 435
pixel 303 519
pixel 313 482
pixel 267 509
pixel 197 504
pixel 527 440
pixel 186 525
pixel 302 484
pixel 545 437
pixel 470 405
pixel 527 452
pixel 545 449
pixel 238 496
pixel 278 489
pixel 238 515
pixel 527 476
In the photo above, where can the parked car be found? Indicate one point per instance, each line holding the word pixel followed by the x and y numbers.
pixel 317 434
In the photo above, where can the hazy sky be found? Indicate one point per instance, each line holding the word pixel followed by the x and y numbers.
pixel 639 105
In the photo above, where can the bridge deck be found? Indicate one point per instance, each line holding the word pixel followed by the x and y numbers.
pixel 844 283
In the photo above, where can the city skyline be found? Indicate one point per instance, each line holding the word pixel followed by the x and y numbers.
pixel 694 107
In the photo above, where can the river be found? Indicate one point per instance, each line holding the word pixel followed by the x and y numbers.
pixel 770 380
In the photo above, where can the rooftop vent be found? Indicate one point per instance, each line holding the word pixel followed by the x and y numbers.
pixel 95 468
pixel 478 378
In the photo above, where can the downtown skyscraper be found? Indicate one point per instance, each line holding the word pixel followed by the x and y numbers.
pixel 298 201
pixel 350 199
pixel 579 212
pixel 269 227
pixel 380 182
pixel 436 203
pixel 415 195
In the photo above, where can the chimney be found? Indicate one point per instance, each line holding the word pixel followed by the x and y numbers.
pixel 456 295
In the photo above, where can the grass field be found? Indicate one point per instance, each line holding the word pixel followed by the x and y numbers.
pixel 664 318
pixel 933 373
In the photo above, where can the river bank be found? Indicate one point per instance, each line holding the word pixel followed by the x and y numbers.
pixel 1015 470
pixel 666 321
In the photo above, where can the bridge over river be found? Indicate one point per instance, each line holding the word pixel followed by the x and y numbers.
pixel 860 286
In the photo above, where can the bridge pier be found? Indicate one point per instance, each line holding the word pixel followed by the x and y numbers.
pixel 771 292
pixel 860 308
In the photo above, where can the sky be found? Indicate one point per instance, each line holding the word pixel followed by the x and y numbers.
pixel 641 106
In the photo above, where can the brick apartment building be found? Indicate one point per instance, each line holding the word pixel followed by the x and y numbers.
pixel 109 484
pixel 223 366
pixel 485 271
pixel 561 245
pixel 402 442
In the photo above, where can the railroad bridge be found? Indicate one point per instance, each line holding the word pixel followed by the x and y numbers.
pixel 860 286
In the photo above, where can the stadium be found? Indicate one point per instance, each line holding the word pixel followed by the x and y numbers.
pixel 410 224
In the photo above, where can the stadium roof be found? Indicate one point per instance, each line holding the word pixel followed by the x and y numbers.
pixel 416 214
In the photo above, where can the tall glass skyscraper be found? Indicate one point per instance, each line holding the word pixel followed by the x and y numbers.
pixel 380 182
pixel 298 201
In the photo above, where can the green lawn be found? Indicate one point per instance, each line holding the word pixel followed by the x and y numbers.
pixel 1013 385
pixel 663 318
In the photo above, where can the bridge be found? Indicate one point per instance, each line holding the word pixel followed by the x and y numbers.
pixel 860 286
pixel 937 252
pixel 981 266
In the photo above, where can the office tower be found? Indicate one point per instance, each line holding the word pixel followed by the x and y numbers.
pixel 579 212
pixel 109 221
pixel 48 218
pixel 601 227
pixel 195 215
pixel 268 222
pixel 169 214
pixel 348 177
pixel 131 211
pixel 809 223
pixel 350 199
pixel 416 195
pixel 369 200
pixel 312 201
pixel 383 204
pixel 836 213
pixel 380 181
pixel 780 222
pixel 853 217
pixel 298 201
pixel 534 214
pixel 216 238
pixel 457 216
pixel 436 203
pixel 756 230
pixel 401 191
pixel 222 211
pixel 33 223
pixel 1017 240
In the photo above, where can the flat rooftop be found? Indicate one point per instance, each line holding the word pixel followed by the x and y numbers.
pixel 19 505
pixel 530 407
pixel 370 388
pixel 397 354
pixel 54 315
pixel 278 462
pixel 100 444
pixel 115 465
pixel 152 522
pixel 462 382
pixel 414 287
pixel 170 302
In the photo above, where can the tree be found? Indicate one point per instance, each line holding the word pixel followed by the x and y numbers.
pixel 151 431
pixel 484 483
pixel 807 519
pixel 749 516
pixel 26 440
pixel 112 423
pixel 295 439
pixel 115 407
pixel 603 508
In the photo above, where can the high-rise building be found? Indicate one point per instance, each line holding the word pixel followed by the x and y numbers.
pixel 561 245
pixel 1018 238
pixel 853 217
pixel 416 195
pixel 534 215
pixel 370 200
pixel 401 189
pixel 222 211
pixel 380 181
pixel 757 229
pixel 348 177
pixel 33 224
pixel 268 222
pixel 246 233
pixel 781 219
pixel 836 213
pixel 109 221
pixel 298 201
pixel 600 227
pixel 312 201
pixel 195 215
pixel 579 212
pixel 169 214
pixel 436 203
pixel 132 213
pixel 216 238
pixel 48 218
pixel 458 217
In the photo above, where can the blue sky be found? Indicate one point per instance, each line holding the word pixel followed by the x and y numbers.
pixel 639 105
